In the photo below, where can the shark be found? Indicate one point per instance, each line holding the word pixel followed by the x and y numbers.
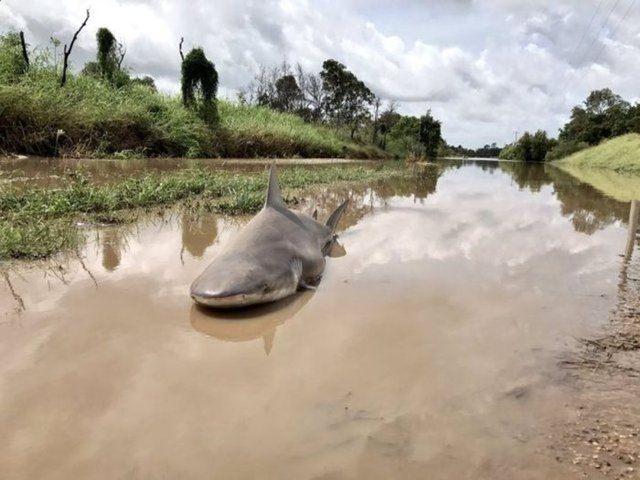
pixel 276 254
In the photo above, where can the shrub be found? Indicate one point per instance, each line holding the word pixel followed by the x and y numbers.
pixel 564 149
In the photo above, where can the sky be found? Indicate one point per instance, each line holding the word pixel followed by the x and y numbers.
pixel 485 68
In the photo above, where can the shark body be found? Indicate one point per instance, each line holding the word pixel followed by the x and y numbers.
pixel 278 252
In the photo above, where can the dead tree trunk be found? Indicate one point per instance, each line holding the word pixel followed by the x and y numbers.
pixel 25 55
pixel 122 51
pixel 67 51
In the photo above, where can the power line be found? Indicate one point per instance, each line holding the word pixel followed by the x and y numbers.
pixel 604 24
pixel 585 33
pixel 586 30
pixel 615 29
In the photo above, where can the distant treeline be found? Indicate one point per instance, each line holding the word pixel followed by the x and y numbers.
pixel 335 96
pixel 488 151
pixel 603 115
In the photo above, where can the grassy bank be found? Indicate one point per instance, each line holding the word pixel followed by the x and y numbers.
pixel 613 167
pixel 621 187
pixel 37 222
pixel 91 118
pixel 620 154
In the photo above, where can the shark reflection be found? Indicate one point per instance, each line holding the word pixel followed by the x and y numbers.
pixel 250 323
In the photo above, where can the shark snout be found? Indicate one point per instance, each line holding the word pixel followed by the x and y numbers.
pixel 219 299
pixel 233 298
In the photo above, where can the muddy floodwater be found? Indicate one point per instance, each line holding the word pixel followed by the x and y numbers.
pixel 431 348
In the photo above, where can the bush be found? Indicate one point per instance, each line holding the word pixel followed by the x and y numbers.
pixel 12 64
pixel 564 149
pixel 529 148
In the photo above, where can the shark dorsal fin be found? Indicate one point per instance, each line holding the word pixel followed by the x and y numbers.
pixel 274 197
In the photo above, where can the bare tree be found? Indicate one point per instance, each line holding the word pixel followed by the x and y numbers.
pixel 387 120
pixel 122 51
pixel 67 51
pixel 180 48
pixel 311 86
pixel 25 55
pixel 377 102
pixel 274 87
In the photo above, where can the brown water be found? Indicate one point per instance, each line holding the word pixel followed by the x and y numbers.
pixel 429 350
pixel 50 172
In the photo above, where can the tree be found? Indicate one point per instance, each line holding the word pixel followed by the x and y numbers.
pixel 346 97
pixel 288 94
pixel 430 134
pixel 404 136
pixel 311 86
pixel 25 54
pixel 12 62
pixel 67 50
pixel 529 147
pixel 387 120
pixel 603 115
pixel 200 79
pixel 377 103
pixel 106 56
pixel 146 81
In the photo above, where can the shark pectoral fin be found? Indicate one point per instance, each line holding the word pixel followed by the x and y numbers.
pixel 334 218
pixel 309 285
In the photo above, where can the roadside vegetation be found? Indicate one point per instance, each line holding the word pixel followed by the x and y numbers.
pixel 603 115
pixel 620 154
pixel 105 111
pixel 37 222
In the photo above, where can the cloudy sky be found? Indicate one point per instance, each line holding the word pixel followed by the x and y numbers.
pixel 486 68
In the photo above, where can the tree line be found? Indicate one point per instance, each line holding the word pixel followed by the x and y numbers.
pixel 603 115
pixel 337 97
pixel 334 97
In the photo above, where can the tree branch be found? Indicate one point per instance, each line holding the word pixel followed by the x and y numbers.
pixel 25 55
pixel 67 51
pixel 122 51
pixel 180 48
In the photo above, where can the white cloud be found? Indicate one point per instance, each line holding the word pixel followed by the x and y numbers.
pixel 485 67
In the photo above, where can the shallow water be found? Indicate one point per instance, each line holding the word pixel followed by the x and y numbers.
pixel 49 172
pixel 431 345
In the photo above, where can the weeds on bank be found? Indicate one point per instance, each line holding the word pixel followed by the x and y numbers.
pixel 95 119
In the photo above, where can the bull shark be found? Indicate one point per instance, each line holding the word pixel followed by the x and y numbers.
pixel 278 252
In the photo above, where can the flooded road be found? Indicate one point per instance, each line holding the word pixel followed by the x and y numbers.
pixel 50 172
pixel 430 349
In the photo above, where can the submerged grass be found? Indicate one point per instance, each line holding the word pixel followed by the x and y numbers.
pixel 621 187
pixel 37 222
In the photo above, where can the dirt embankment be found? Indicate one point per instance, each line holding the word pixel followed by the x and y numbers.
pixel 604 439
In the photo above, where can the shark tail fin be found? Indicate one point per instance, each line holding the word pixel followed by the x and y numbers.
pixel 274 197
pixel 334 218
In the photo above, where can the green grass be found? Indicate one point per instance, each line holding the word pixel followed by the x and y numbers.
pixel 102 120
pixel 613 167
pixel 621 187
pixel 620 154
pixel 37 222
